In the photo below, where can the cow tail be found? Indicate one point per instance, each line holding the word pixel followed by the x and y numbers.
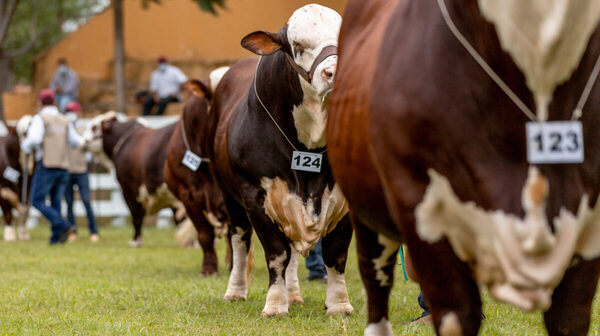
pixel 250 263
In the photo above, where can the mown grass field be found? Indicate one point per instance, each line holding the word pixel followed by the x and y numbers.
pixel 111 289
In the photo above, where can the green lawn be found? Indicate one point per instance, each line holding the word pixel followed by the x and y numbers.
pixel 109 288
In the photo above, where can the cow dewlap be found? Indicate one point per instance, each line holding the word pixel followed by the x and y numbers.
pixel 520 260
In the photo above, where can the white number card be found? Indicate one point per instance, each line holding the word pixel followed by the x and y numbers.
pixel 554 142
pixel 191 160
pixel 11 174
pixel 307 161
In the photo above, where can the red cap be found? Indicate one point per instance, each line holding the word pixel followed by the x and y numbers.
pixel 47 96
pixel 162 59
pixel 73 107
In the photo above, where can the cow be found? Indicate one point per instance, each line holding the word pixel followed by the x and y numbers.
pixel 265 111
pixel 427 140
pixel 12 182
pixel 194 184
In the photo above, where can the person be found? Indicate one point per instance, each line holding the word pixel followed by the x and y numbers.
pixel 50 134
pixel 315 265
pixel 78 176
pixel 65 84
pixel 165 86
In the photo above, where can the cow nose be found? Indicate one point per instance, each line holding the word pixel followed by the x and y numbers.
pixel 327 76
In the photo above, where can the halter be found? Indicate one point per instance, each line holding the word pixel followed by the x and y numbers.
pixel 327 52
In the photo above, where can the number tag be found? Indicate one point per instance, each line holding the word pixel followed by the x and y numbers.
pixel 191 160
pixel 307 161
pixel 11 174
pixel 554 142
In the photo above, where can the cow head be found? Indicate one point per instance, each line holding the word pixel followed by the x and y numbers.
pixel 94 133
pixel 309 40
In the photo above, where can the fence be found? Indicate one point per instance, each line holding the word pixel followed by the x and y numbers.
pixel 114 206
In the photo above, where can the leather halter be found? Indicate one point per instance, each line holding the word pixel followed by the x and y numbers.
pixel 328 51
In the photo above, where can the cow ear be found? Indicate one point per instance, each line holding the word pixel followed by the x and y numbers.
pixel 262 43
pixel 198 88
pixel 106 124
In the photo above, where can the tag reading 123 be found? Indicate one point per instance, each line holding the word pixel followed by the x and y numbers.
pixel 554 142
pixel 307 161
pixel 191 160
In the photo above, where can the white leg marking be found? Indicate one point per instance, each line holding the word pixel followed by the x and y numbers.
pixel 237 289
pixel 23 233
pixel 390 247
pixel 450 325
pixel 381 328
pixel 291 279
pixel 337 300
pixel 136 242
pixel 277 296
pixel 9 234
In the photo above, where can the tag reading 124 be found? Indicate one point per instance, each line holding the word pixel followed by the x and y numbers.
pixel 307 161
pixel 11 174
pixel 191 160
pixel 554 142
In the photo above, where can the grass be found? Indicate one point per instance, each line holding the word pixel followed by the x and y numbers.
pixel 111 289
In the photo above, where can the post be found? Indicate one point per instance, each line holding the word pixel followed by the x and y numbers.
pixel 120 102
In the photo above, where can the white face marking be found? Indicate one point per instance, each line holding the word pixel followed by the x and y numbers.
pixel 450 325
pixel 291 279
pixel 297 219
pixel 238 282
pixel 277 296
pixel 390 247
pixel 547 46
pixel 520 260
pixel 337 300
pixel 381 328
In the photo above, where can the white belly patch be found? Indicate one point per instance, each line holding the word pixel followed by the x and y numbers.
pixel 519 259
pixel 297 219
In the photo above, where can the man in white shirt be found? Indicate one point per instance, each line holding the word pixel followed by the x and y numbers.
pixel 50 134
pixel 165 85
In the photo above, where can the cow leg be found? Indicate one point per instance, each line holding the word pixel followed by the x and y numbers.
pixel 572 300
pixel 449 289
pixel 137 216
pixel 376 260
pixel 9 230
pixel 291 279
pixel 240 236
pixel 335 254
pixel 206 237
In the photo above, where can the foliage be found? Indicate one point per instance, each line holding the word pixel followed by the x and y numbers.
pixel 111 289
pixel 51 14
pixel 205 5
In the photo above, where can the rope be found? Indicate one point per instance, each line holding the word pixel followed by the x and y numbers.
pixel 577 113
pixel 269 113
pixel 185 140
pixel 121 141
pixel 401 253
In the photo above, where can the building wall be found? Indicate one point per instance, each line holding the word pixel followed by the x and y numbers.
pixel 193 40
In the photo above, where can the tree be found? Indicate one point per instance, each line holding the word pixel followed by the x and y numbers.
pixel 29 26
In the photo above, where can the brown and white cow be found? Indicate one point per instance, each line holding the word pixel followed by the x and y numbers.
pixel 429 150
pixel 138 154
pixel 263 111
pixel 194 185
pixel 11 184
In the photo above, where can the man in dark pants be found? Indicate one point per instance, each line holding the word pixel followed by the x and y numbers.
pixel 78 176
pixel 165 85
pixel 50 134
pixel 315 265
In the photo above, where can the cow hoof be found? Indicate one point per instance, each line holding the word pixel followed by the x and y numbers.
pixel 204 273
pixel 295 299
pixel 234 296
pixel 340 308
pixel 9 234
pixel 136 243
pixel 275 309
pixel 23 234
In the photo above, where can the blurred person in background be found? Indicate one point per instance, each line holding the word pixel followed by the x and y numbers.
pixel 165 87
pixel 50 134
pixel 65 84
pixel 315 265
pixel 78 176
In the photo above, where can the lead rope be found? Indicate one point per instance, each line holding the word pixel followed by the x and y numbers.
pixel 401 253
pixel 185 140
pixel 121 142
pixel 269 113
pixel 577 113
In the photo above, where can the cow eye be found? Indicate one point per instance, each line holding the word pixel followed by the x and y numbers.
pixel 298 48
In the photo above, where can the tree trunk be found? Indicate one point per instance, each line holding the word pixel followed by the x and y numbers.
pixel 120 103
